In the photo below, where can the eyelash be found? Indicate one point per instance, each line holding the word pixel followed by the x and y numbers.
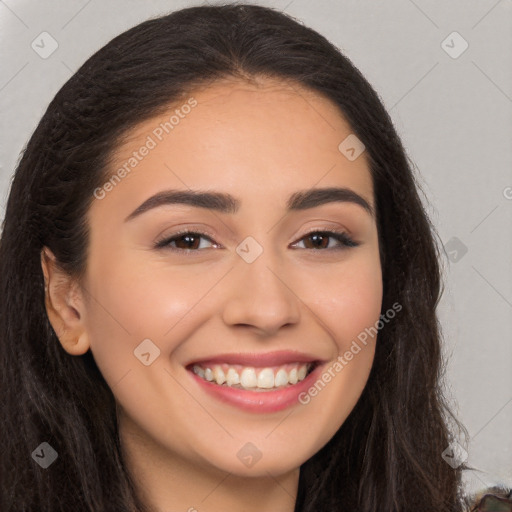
pixel 340 236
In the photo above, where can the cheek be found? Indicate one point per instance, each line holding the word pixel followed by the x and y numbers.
pixel 347 297
pixel 145 298
pixel 131 302
pixel 348 305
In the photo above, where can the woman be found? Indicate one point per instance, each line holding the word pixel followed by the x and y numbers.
pixel 292 363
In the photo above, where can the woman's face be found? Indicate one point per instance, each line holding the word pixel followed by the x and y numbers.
pixel 257 299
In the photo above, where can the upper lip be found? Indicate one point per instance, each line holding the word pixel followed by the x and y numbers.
pixel 258 359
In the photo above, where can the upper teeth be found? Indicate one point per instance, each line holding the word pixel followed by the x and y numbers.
pixel 249 377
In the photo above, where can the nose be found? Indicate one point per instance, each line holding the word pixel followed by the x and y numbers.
pixel 261 296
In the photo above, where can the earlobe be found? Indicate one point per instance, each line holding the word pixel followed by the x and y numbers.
pixel 64 305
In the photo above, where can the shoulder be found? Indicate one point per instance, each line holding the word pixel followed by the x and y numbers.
pixel 492 499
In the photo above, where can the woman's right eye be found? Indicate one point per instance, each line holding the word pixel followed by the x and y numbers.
pixel 187 239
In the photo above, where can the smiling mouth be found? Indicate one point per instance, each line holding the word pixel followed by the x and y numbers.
pixel 253 378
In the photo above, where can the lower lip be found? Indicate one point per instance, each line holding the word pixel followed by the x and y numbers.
pixel 259 401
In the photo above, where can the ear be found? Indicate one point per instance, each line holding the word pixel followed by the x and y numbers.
pixel 64 305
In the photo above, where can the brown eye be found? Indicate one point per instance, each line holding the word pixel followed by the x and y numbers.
pixel 320 240
pixel 185 241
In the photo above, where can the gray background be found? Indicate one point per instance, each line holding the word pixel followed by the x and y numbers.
pixel 454 116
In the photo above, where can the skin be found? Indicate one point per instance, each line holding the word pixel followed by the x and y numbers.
pixel 261 143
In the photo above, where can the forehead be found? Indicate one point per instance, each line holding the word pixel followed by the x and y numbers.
pixel 249 139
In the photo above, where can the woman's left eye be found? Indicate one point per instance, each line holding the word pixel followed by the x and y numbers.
pixel 190 241
pixel 319 237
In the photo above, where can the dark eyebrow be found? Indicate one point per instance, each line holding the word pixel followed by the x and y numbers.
pixel 226 203
pixel 310 198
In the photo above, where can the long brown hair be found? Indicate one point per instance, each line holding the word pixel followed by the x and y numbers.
pixel 387 454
